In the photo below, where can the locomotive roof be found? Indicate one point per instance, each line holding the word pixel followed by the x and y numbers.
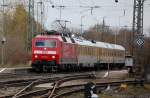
pixel 82 41
pixel 49 36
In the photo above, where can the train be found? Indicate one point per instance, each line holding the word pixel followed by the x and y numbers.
pixel 52 51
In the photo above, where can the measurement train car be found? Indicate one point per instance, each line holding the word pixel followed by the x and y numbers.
pixel 57 53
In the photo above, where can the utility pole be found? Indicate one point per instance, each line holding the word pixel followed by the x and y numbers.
pixel 37 17
pixel 3 30
pixel 137 28
pixel 42 12
pixel 138 17
pixel 103 28
pixel 41 9
pixel 81 25
pixel 31 25
pixel 4 18
pixel 3 48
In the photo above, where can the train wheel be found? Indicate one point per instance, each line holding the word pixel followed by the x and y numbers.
pixel 39 69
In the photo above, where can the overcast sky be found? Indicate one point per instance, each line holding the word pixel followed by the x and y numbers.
pixel 115 14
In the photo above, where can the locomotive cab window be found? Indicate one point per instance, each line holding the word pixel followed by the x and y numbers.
pixel 45 43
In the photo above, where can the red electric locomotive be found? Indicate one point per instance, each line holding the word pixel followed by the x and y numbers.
pixel 49 52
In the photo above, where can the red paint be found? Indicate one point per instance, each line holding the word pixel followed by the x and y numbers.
pixel 64 50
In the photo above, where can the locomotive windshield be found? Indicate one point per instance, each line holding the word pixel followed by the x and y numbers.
pixel 45 43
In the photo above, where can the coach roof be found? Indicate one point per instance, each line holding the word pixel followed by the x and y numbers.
pixel 98 44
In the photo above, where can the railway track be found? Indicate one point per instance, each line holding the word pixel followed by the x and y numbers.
pixel 31 75
pixel 59 92
pixel 22 79
pixel 62 91
pixel 29 91
pixel 22 85
pixel 25 92
pixel 27 74
pixel 26 86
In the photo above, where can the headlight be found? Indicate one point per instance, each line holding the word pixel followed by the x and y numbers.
pixel 53 57
pixel 36 56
